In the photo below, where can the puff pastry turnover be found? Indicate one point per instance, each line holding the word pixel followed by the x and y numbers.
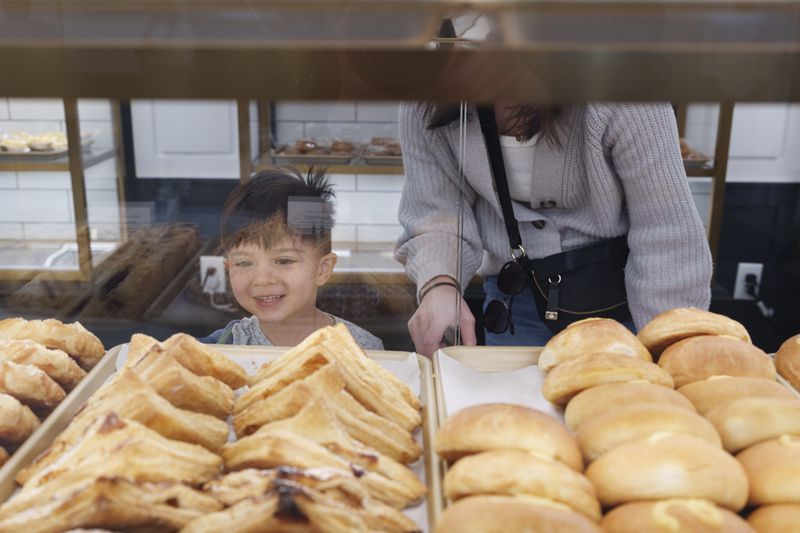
pixel 192 355
pixel 328 382
pixel 73 338
pixel 124 448
pixel 30 386
pixel 367 381
pixel 130 397
pixel 327 499
pixel 393 483
pixel 55 363
pixel 181 387
pixel 111 502
pixel 17 421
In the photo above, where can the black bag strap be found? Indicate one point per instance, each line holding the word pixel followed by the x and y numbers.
pixel 498 168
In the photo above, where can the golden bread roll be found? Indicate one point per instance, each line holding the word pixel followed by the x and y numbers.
pixel 606 431
pixel 667 465
pixel 598 399
pixel 780 518
pixel 73 338
pixel 55 363
pixel 704 356
pixel 787 359
pixel 30 386
pixel 591 335
pixel 684 322
pixel 506 514
pixel 498 426
pixel 747 421
pixel 518 473
pixel 17 421
pixel 773 468
pixel 669 516
pixel 717 390
pixel 575 375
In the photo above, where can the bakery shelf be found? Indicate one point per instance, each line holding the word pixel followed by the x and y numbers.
pixel 358 166
pixel 24 163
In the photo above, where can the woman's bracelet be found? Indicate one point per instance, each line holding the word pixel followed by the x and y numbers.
pixel 450 283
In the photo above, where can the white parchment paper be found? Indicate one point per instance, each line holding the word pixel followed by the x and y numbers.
pixel 407 370
pixel 464 387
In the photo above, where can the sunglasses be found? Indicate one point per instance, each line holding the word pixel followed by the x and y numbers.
pixel 510 281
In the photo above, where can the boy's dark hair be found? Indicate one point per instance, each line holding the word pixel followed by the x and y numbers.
pixel 278 203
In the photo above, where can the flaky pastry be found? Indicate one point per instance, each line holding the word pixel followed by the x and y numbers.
pixel 192 355
pixel 366 380
pixel 328 382
pixel 17 421
pixel 123 448
pixel 55 363
pixel 397 484
pixel 131 398
pixel 73 338
pixel 110 502
pixel 30 386
pixel 183 388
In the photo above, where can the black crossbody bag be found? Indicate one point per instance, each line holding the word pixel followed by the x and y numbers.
pixel 568 286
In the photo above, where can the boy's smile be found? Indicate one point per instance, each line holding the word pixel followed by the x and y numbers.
pixel 279 285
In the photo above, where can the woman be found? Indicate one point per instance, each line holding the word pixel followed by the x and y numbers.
pixel 577 175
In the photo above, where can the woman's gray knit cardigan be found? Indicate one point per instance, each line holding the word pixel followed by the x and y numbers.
pixel 618 171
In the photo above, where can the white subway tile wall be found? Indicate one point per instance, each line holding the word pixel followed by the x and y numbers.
pixel 366 210
pixel 37 205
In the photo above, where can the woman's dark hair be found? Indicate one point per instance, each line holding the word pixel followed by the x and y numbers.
pixel 258 210
pixel 527 118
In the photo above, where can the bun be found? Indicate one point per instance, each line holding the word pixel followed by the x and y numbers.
pixel 591 335
pixel 506 426
pixel 667 465
pixel 773 469
pixel 504 514
pixel 708 355
pixel 599 399
pixel 575 375
pixel 717 390
pixel 746 421
pixel 608 430
pixel 668 516
pixel 787 359
pixel 781 518
pixel 684 322
pixel 514 472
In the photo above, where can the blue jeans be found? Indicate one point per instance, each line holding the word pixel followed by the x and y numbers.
pixel 529 330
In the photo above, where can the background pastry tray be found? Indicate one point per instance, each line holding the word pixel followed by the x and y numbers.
pixel 54 424
pixel 250 357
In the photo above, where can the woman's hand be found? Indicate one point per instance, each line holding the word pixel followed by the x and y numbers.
pixel 437 312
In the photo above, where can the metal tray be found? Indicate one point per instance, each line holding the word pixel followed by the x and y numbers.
pixel 311 159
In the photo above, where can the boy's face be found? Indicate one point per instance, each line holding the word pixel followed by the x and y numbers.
pixel 279 284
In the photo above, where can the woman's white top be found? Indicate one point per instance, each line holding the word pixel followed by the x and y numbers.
pixel 518 160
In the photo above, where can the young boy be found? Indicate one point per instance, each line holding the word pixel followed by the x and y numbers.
pixel 276 235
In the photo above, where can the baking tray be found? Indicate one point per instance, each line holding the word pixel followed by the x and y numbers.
pixel 34 155
pixel 311 159
pixel 384 160
pixel 64 413
pixel 427 395
pixel 54 424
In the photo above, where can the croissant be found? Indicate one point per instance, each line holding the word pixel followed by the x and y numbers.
pixel 73 338
pixel 55 363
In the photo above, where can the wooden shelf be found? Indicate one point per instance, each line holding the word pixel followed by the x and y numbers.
pixel 24 163
pixel 358 167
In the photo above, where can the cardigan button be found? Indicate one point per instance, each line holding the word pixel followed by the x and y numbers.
pixel 547 203
pixel 538 224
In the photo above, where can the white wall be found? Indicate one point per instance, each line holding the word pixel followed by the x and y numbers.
pixel 38 205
